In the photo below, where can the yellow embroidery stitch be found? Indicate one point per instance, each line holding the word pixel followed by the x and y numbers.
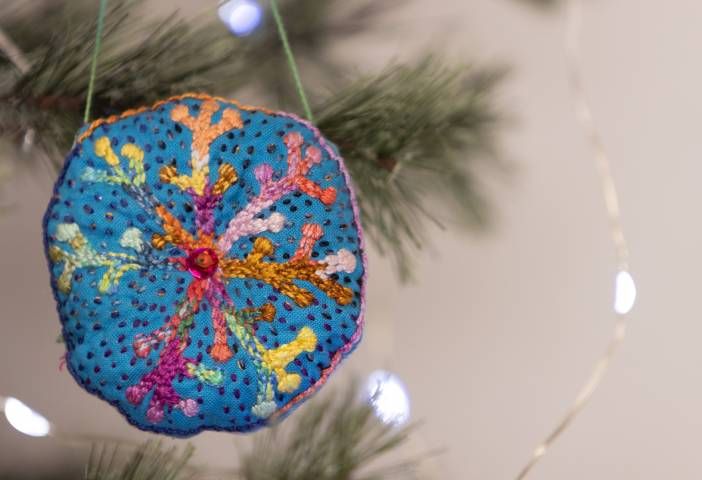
pixel 103 149
pixel 227 178
pixel 278 359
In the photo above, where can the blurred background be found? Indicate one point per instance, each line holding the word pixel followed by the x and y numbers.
pixel 500 325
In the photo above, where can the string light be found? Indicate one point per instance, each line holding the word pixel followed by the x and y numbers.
pixel 24 419
pixel 624 293
pixel 625 289
pixel 241 17
pixel 388 396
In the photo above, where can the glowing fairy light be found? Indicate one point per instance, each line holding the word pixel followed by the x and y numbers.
pixel 24 419
pixel 625 293
pixel 388 397
pixel 241 17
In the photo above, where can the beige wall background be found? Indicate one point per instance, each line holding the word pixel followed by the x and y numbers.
pixel 527 305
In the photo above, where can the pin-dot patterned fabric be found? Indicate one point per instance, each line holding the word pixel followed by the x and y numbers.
pixel 207 262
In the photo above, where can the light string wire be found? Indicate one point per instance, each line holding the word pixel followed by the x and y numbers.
pixel 94 62
pixel 291 60
pixel 573 27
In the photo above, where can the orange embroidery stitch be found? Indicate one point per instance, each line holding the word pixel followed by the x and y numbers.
pixel 282 275
pixel 204 133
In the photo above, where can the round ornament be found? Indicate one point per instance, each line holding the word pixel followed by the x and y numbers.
pixel 207 262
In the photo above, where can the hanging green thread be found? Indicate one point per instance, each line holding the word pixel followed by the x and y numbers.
pixel 291 60
pixel 93 66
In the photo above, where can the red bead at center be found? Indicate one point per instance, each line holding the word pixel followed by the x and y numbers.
pixel 202 262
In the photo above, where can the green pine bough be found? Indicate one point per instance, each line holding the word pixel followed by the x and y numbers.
pixel 414 136
pixel 336 438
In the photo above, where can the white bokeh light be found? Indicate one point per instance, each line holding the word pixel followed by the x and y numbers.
pixel 624 293
pixel 241 17
pixel 388 397
pixel 24 419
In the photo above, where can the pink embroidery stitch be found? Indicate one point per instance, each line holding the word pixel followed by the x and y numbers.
pixel 271 191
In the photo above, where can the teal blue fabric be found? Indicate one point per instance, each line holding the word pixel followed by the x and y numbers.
pixel 102 326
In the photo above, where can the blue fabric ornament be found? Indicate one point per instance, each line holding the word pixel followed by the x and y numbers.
pixel 207 262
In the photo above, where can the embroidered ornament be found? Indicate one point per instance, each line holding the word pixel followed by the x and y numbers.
pixel 207 262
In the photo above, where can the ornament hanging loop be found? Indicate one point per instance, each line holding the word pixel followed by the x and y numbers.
pixel 291 60
pixel 93 64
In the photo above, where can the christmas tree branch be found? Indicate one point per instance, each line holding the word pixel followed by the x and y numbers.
pixel 144 61
pixel 151 461
pixel 336 438
pixel 412 137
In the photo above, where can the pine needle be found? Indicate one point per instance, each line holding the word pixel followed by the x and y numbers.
pixel 337 438
pixel 149 462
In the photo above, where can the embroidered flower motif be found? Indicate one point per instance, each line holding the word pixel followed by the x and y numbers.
pixel 213 261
